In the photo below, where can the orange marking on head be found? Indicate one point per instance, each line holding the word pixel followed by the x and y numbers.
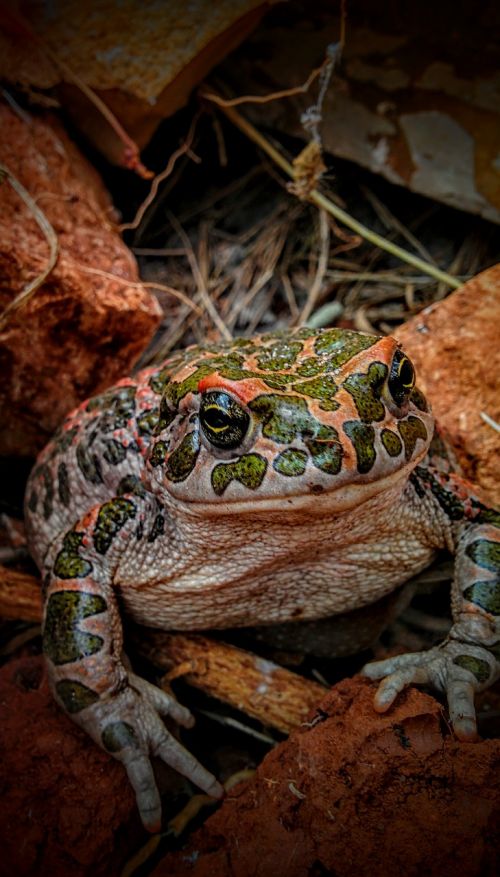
pixel 244 390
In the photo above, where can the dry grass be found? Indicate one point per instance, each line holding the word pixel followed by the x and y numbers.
pixel 291 264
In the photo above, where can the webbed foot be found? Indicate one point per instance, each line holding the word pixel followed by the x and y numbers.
pixel 457 669
pixel 128 725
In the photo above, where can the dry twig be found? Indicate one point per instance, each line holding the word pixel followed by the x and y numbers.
pixel 201 286
pixel 25 295
pixel 14 21
pixel 324 236
pixel 326 204
pixel 183 149
pixel 261 689
pixel 138 284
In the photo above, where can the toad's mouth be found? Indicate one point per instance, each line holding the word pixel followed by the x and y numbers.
pixel 335 499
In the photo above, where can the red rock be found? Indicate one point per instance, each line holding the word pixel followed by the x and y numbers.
pixel 454 345
pixel 80 331
pixel 358 794
pixel 65 806
pixel 401 102
pixel 142 59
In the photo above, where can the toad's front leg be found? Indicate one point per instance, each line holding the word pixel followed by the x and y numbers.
pixel 82 638
pixel 468 660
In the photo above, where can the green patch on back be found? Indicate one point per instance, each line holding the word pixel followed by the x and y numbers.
pixel 447 499
pixel 291 462
pixel 117 406
pixel 391 442
pixel 89 464
pixel 68 563
pixel 485 553
pixel 249 470
pixel 182 460
pixel 131 484
pixel 410 431
pixel 63 641
pixel 322 387
pixel 64 439
pixel 284 418
pixel 63 484
pixel 311 367
pixel 112 516
pixel 366 389
pixel 176 390
pixel 340 345
pixel 485 594
pixel 74 695
pixel 487 516
pixel 363 441
pixel 159 381
pixel 282 355
pixel 480 669
pixel 114 452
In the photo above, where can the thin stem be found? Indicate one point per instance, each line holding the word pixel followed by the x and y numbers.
pixel 324 203
pixel 52 241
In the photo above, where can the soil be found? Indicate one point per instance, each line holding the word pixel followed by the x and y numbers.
pixel 65 806
pixel 354 793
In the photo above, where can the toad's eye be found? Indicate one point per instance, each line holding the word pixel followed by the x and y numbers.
pixel 401 378
pixel 223 421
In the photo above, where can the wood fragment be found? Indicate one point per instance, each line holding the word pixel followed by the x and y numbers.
pixel 275 696
pixel 20 596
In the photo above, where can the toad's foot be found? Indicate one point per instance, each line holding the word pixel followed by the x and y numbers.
pixel 455 668
pixel 128 725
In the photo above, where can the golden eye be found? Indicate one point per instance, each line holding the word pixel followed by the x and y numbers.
pixel 223 421
pixel 401 378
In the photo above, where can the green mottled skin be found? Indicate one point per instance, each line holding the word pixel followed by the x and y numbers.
pixel 183 459
pixel 480 669
pixel 74 695
pixel 68 563
pixel 366 390
pixel 249 471
pixel 113 515
pixel 363 439
pixel 118 735
pixel 411 430
pixel 63 640
pixel 254 482
pixel 391 442
pixel 291 462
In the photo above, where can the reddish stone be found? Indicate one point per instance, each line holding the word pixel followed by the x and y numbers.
pixel 80 331
pixel 65 806
pixel 142 60
pixel 455 348
pixel 356 794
